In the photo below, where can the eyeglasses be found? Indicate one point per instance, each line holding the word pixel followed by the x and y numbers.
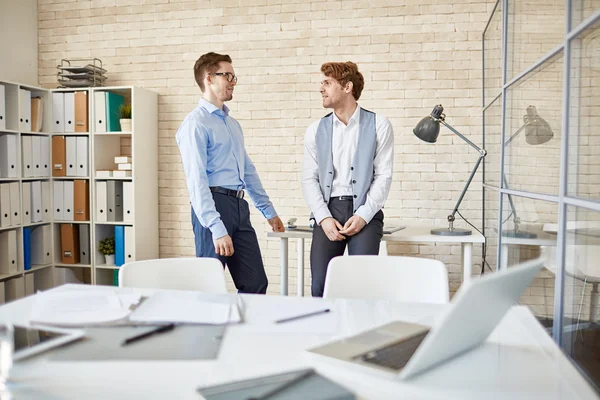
pixel 228 75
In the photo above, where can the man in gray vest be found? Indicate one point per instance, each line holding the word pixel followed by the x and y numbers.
pixel 347 172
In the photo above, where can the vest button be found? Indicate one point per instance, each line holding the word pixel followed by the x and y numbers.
pixel 355 196
pixel 353 181
pixel 351 168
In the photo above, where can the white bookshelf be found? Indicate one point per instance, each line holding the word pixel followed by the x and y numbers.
pixel 102 147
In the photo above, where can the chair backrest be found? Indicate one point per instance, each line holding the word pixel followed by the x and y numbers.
pixel 581 261
pixel 203 274
pixel 406 279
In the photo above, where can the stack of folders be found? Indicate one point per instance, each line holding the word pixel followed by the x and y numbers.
pixel 36 156
pixel 124 169
pixel 30 111
pixel 70 156
pixel 37 245
pixel 75 243
pixel 10 205
pixel 295 385
pixel 70 112
pixel 77 76
pixel 114 201
pixel 71 200
pixel 107 111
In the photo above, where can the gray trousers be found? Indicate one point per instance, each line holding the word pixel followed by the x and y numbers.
pixel 322 250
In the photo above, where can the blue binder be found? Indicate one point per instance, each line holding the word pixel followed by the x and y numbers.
pixel 27 248
pixel 113 114
pixel 119 245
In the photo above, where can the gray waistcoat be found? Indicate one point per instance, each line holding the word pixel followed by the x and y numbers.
pixel 362 164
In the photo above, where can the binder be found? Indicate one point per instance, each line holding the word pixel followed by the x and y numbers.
pixel 113 115
pixel 41 245
pixel 8 252
pixel 69 243
pixel 81 112
pixel 25 109
pixel 37 114
pixel 128 202
pixel 119 245
pixel 14 288
pixel 36 155
pixel 68 200
pixel 100 111
pixel 101 201
pixel 58 156
pixel 27 248
pixel 5 210
pixel 2 293
pixel 114 201
pixel 69 112
pixel 27 157
pixel 26 203
pixel 71 155
pixel 8 156
pixel 15 203
pixel 82 156
pixel 29 284
pixel 81 201
pixel 37 213
pixel 46 203
pixel 58 200
pixel 84 244
pixel 58 112
pixel 2 107
pixel 129 244
pixel 45 156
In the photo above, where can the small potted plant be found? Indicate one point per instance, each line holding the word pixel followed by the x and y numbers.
pixel 107 247
pixel 125 113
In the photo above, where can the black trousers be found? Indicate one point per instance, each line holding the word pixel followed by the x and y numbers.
pixel 246 264
pixel 322 250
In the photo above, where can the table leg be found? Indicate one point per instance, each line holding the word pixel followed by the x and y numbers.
pixel 467 254
pixel 284 266
pixel 504 256
pixel 300 267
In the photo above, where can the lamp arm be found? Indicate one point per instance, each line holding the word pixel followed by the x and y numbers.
pixel 460 135
pixel 516 219
pixel 451 216
pixel 514 135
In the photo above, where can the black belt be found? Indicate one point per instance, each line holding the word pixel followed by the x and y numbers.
pixel 343 198
pixel 234 193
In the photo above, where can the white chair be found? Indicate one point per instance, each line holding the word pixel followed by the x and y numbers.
pixel 405 279
pixel 202 274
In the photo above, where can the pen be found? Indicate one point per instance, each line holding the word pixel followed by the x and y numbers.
pixel 284 387
pixel 160 329
pixel 302 316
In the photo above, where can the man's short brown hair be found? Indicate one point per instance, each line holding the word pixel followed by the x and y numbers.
pixel 345 72
pixel 207 64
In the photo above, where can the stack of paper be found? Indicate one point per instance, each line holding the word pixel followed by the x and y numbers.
pixel 124 167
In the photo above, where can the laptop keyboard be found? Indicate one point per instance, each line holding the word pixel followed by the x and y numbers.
pixel 396 355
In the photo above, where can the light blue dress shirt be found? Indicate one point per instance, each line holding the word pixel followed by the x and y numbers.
pixel 213 154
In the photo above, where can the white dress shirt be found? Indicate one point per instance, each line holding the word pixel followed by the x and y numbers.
pixel 344 143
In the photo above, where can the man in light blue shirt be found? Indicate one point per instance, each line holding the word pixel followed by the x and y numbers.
pixel 217 170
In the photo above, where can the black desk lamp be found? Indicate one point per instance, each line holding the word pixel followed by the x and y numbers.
pixel 537 131
pixel 428 130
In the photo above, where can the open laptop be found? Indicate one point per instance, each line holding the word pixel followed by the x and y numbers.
pixel 403 349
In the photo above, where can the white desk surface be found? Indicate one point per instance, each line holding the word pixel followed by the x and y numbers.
pixel 416 234
pixel 519 360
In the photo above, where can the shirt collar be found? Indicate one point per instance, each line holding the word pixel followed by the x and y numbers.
pixel 355 117
pixel 211 108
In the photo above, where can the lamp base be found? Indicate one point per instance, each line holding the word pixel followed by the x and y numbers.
pixel 519 234
pixel 451 232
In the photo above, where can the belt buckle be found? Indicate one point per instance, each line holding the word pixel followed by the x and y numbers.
pixel 239 194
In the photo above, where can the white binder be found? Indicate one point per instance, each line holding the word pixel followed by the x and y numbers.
pixel 68 192
pixel 46 203
pixel 15 203
pixel 2 107
pixel 58 112
pixel 8 156
pixel 37 213
pixel 26 210
pixel 36 155
pixel 14 288
pixel 5 209
pixel 25 110
pixel 101 201
pixel 8 252
pixel 27 156
pixel 45 155
pixel 129 244
pixel 29 284
pixel 58 200
pixel 127 201
pixel 100 111
pixel 41 244
pixel 71 155
pixel 82 156
pixel 69 112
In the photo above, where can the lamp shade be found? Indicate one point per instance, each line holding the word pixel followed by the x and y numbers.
pixel 537 130
pixel 428 129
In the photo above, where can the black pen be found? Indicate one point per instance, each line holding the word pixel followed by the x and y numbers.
pixel 160 329
pixel 302 316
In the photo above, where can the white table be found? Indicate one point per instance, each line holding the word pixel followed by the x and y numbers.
pixel 410 234
pixel 518 362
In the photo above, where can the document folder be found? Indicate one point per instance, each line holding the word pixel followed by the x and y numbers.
pixel 84 244
pixel 5 210
pixel 69 243
pixel 58 156
pixel 113 103
pixel 69 112
pixel 58 112
pixel 100 112
pixel 2 107
pixel 81 201
pixel 15 203
pixel 81 112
